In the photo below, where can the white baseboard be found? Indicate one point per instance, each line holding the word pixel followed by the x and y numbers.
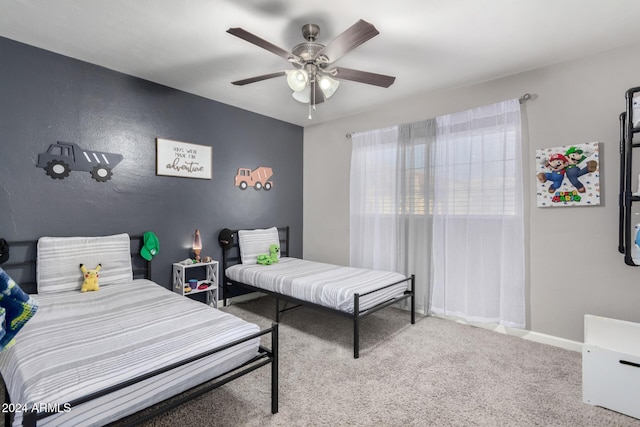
pixel 522 333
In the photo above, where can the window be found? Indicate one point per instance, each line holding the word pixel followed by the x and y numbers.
pixel 480 173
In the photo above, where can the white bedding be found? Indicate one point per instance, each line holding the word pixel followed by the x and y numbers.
pixel 78 343
pixel 324 284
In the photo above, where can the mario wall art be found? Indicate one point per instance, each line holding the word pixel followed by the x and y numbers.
pixel 568 175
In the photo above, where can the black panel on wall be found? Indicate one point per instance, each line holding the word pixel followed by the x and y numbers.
pixel 46 97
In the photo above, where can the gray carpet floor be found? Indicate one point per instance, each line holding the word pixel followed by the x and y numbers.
pixel 433 373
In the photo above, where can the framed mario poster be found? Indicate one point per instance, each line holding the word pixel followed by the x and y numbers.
pixel 568 175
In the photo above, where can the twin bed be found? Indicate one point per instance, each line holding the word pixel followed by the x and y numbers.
pixel 345 291
pixel 92 358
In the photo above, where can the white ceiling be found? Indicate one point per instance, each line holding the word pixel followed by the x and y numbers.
pixel 426 44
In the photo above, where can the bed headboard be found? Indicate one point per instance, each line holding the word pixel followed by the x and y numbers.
pixel 22 262
pixel 231 252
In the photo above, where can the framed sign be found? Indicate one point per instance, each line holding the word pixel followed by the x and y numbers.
pixel 175 158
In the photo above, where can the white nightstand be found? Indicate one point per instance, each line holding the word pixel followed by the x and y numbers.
pixel 182 273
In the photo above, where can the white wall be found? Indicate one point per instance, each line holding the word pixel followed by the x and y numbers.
pixel 574 267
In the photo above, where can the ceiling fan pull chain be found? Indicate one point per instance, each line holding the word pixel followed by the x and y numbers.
pixel 313 96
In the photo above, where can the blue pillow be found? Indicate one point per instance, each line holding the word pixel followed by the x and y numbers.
pixel 17 308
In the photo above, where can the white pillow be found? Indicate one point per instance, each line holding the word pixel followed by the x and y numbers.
pixel 59 258
pixel 256 242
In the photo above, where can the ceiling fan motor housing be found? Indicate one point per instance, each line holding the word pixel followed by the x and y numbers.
pixel 307 51
pixel 310 32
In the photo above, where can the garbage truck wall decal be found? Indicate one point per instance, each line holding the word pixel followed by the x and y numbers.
pixel 63 157
pixel 257 178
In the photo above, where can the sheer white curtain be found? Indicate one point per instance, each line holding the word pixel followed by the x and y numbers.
pixel 442 199
pixel 390 225
pixel 415 195
pixel 478 226
pixel 373 198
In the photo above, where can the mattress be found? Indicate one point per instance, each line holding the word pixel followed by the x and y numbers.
pixel 327 285
pixel 78 343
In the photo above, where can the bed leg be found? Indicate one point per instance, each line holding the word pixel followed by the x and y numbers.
pixel 29 418
pixel 224 293
pixel 274 369
pixel 356 326
pixel 413 299
pixel 277 310
pixel 7 401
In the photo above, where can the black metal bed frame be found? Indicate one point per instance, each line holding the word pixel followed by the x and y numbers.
pixel 231 256
pixel 142 268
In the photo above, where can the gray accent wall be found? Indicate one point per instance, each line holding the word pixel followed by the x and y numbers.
pixel 46 97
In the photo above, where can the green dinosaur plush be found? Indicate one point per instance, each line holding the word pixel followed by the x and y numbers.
pixel 271 257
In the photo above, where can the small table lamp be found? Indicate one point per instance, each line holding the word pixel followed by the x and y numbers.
pixel 197 245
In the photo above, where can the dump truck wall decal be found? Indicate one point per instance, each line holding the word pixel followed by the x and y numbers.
pixel 62 158
pixel 257 178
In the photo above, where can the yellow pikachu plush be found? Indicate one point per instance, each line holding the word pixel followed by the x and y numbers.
pixel 90 278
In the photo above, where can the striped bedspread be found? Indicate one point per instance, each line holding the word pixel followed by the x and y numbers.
pixel 78 343
pixel 328 285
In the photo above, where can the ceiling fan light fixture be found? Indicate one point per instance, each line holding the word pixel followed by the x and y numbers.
pixel 297 79
pixel 303 96
pixel 328 86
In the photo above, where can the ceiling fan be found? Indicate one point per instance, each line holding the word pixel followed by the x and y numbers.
pixel 313 78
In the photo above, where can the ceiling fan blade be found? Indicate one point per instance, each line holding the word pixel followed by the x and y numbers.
pixel 317 96
pixel 353 37
pixel 362 76
pixel 258 78
pixel 251 38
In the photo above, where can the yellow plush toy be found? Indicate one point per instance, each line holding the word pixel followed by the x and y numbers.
pixel 90 278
